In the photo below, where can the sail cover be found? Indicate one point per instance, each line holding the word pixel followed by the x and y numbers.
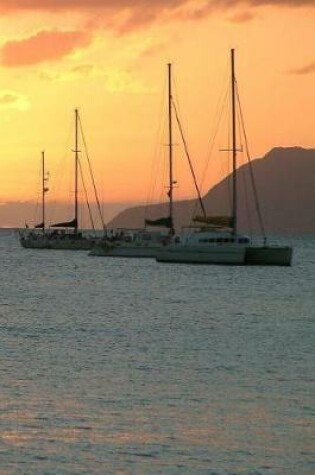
pixel 39 226
pixel 166 222
pixel 219 221
pixel 66 224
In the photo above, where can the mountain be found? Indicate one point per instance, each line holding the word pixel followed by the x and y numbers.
pixel 16 214
pixel 285 184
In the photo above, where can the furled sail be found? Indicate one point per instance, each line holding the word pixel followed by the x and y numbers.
pixel 66 224
pixel 218 221
pixel 166 222
pixel 39 226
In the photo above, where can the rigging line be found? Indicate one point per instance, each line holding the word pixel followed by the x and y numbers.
pixel 189 160
pixel 211 143
pixel 86 196
pixel 38 196
pixel 152 180
pixel 155 172
pixel 249 220
pixel 221 103
pixel 91 175
pixel 261 224
pixel 221 108
pixel 229 168
pixel 226 167
pixel 164 176
pixel 160 188
pixel 244 177
pixel 56 189
pixel 164 149
pixel 160 163
pixel 178 114
pixel 156 155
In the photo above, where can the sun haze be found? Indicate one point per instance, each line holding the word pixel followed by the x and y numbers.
pixel 108 59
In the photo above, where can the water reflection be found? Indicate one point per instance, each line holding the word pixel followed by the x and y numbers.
pixel 131 367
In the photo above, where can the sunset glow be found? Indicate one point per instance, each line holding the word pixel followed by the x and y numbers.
pixel 108 58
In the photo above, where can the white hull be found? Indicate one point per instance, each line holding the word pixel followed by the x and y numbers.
pixel 268 256
pixel 125 250
pixel 132 243
pixel 225 255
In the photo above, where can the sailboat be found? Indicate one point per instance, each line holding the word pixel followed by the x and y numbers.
pixel 144 242
pixel 61 235
pixel 219 242
pixel 36 238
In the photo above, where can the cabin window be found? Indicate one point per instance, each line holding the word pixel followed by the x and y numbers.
pixel 243 240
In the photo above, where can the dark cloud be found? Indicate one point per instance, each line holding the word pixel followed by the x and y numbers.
pixel 121 16
pixel 8 98
pixel 44 46
pixel 242 16
pixel 308 69
pixel 7 6
pixel 259 3
pixel 149 8
pixel 13 100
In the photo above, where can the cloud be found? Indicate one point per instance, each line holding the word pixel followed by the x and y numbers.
pixel 244 10
pixel 82 71
pixel 62 5
pixel 44 46
pixel 120 81
pixel 308 69
pixel 13 100
pixel 260 3
pixel 125 16
pixel 115 80
pixel 153 49
pixel 242 16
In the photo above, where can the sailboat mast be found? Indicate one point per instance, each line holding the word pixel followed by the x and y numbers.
pixel 76 161
pixel 234 146
pixel 170 131
pixel 43 190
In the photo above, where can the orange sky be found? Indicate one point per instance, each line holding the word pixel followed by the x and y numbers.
pixel 108 58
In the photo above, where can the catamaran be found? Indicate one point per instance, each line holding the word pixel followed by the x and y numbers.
pixel 218 240
pixel 144 242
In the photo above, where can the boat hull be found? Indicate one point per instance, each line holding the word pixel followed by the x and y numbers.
pixel 125 251
pixel 250 256
pixel 82 244
pixel 268 256
pixel 221 255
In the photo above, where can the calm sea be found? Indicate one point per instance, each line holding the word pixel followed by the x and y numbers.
pixel 127 366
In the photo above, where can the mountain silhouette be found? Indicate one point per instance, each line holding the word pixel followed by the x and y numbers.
pixel 285 184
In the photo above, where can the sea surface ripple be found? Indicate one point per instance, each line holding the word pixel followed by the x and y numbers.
pixel 127 366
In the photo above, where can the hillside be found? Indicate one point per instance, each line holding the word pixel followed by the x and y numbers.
pixel 285 182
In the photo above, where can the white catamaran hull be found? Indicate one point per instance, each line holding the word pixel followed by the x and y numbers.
pixel 225 255
pixel 124 250
pixel 268 256
pixel 131 243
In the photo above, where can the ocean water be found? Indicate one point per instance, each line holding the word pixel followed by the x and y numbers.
pixel 127 366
